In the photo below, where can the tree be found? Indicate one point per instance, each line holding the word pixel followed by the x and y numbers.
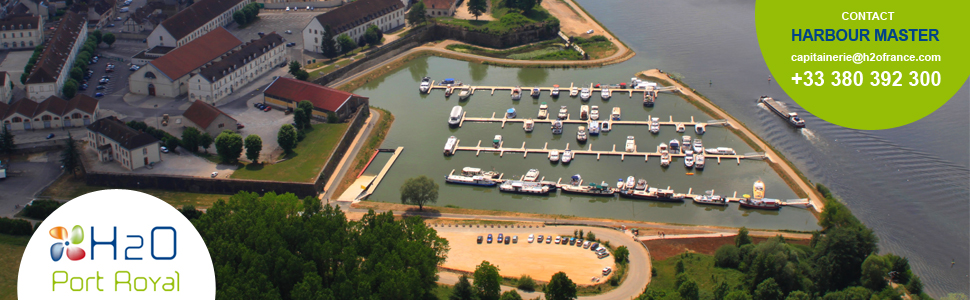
pixel 727 256
pixel 332 117
pixel 768 290
pixel 70 88
pixel 301 119
pixel 302 75
pixel 689 290
pixel 229 146
pixel 477 7
pixel 6 141
pixel 721 290
pixel 526 283
pixel 738 295
pixel 373 35
pixel 590 236
pixel 742 238
pixel 24 75
pixel 97 36
pixel 190 139
pixel 915 285
pixel 109 38
pixel 347 44
pixel 286 138
pixel 205 140
pixel 417 15
pixel 71 156
pixel 190 212
pixel 294 67
pixel 874 271
pixel 171 143
pixel 511 295
pixel 77 74
pixel 462 290
pixel 560 287
pixel 488 282
pixel 798 295
pixel 839 254
pixel 419 191
pixel 621 254
pixel 239 17
pixel 329 45
pixel 254 144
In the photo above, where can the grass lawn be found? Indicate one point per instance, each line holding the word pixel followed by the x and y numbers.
pixel 700 267
pixel 443 291
pixel 597 50
pixel 67 187
pixel 11 250
pixel 537 14
pixel 305 162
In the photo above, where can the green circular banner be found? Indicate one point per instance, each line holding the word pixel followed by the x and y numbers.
pixel 866 64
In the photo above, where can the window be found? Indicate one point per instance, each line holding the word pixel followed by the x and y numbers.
pixel 144 150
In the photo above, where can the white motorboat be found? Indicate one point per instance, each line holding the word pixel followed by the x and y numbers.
pixel 497 141
pixel 584 94
pixel 605 94
pixel 594 127
pixel 451 145
pixel 581 134
pixel 563 112
pixel 531 175
pixel 555 91
pixel 516 93
pixel 425 84
pixel 655 125
pixel 710 199
pixel 662 148
pixel 455 118
pixel 720 151
pixel 698 146
pixel 664 159
pixel 556 127
pixel 535 92
pixel 510 113
pixel 641 184
pixel 464 94
pixel 567 156
pixel 699 161
pixel 473 176
pixel 606 126
pixel 686 142
pixel 674 146
pixel 615 116
pixel 543 111
pixel 573 91
pixel 584 112
pixel 631 145
pixel 631 183
pixel 689 159
pixel 554 156
pixel 681 127
pixel 523 187
pixel 594 112
pixel 699 128
pixel 528 125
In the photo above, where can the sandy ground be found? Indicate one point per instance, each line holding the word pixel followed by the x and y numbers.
pixel 540 261
pixel 569 22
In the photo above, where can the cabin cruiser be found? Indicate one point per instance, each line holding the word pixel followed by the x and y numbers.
pixel 662 148
pixel 464 94
pixel 664 158
pixel 535 92
pixel 666 195
pixel 689 158
pixel 584 112
pixel 606 126
pixel 654 125
pixel 711 199
pixel 699 161
pixel 455 118
pixel 594 112
pixel 556 127
pixel 631 145
pixel 681 127
pixel 720 150
pixel 573 91
pixel 563 112
pixel 769 204
pixel 524 187
pixel 575 187
pixel 528 125
pixel 516 93
pixel 448 92
pixel 497 141
pixel 698 146
pixel 699 128
pixel 555 91
pixel 674 146
pixel 531 175
pixel 594 127
pixel 510 114
pixel 648 99
pixel 554 156
pixel 473 176
pixel 543 111
pixel 605 94
pixel 425 84
pixel 759 190
pixel 686 142
pixel 567 156
pixel 615 116
pixel 581 135
pixel 584 94
pixel 451 145
pixel 631 182
pixel 641 184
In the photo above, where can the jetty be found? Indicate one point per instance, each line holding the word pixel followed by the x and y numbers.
pixel 365 185
pixel 670 121
pixel 613 89
pixel 501 149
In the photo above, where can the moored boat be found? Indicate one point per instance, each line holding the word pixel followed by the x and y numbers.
pixel 605 94
pixel 567 156
pixel 528 125
pixel 648 99
pixel 689 159
pixel 563 112
pixel 699 161
pixel 584 112
pixel 449 91
pixel 497 141
pixel 759 190
pixel 664 158
pixel 653 194
pixel 711 199
pixel 615 116
pixel 680 127
pixel 531 175
pixel 573 91
pixel 631 182
pixel 516 93
pixel 581 135
pixel 594 127
pixel 451 145
pixel 556 127
pixel 641 184
pixel 591 189
pixel 510 113
pixel 543 111
pixel 473 176
pixel 631 144
pixel 654 125
pixel 720 151
pixel 535 92
pixel 606 126
pixel 464 94
pixel 686 142
pixel 425 84
pixel 554 156
pixel 555 91
pixel 455 117
pixel 769 204
pixel 594 112
pixel 674 146
pixel 524 187
pixel 699 128
pixel 698 146
pixel 584 94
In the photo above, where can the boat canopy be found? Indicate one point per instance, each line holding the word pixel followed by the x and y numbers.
pixel 555 85
pixel 471 170
pixel 577 177
pixel 510 111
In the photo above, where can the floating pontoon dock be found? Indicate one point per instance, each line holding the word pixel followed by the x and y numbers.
pixel 670 121
pixel 589 151
pixel 362 189
pixel 612 90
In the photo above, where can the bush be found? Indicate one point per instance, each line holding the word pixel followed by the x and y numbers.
pixel 526 283
pixel 728 256
pixel 514 20
pixel 598 38
pixel 15 226
pixel 40 209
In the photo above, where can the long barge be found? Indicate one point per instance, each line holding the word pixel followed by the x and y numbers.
pixel 781 111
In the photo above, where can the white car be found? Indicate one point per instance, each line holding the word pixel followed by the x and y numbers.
pixel 589 31
pixel 164 149
pixel 123 9
pixel 287 8
pixel 288 32
pixel 531 238
pixel 549 239
pixel 214 174
pixel 607 270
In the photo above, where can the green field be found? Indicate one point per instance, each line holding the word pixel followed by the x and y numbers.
pixel 501 26
pixel 11 250
pixel 700 267
pixel 305 162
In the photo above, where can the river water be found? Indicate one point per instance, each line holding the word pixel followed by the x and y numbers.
pixel 910 183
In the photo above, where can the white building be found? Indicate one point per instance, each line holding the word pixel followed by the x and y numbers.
pixel 194 22
pixel 353 19
pixel 54 112
pixel 217 80
pixel 440 8
pixel 168 76
pixel 115 141
pixel 51 70
pixel 21 32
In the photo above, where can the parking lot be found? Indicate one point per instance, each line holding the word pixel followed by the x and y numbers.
pixel 173 163
pixel 279 21
pixel 540 261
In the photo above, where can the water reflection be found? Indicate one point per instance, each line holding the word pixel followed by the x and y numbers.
pixel 532 76
pixel 418 69
pixel 476 71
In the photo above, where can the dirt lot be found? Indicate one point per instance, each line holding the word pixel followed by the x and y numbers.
pixel 571 23
pixel 540 261
pixel 663 249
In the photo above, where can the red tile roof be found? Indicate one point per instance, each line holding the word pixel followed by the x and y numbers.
pixel 203 114
pixel 353 14
pixel 52 104
pixel 59 46
pixel 196 53
pixel 297 90
pixel 191 18
pixel 83 103
pixel 25 107
pixel 438 4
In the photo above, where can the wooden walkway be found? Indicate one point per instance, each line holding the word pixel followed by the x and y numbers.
pixel 380 176
pixel 562 90
pixel 501 149
pixel 669 122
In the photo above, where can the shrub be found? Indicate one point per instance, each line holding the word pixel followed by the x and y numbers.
pixel 40 209
pixel 15 226
pixel 526 283
pixel 514 20
pixel 728 256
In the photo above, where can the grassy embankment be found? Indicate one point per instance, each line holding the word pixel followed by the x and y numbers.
pixel 11 250
pixel 306 161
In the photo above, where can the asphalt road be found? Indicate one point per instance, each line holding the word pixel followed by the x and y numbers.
pixel 24 179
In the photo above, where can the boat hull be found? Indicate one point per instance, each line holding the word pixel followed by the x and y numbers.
pixel 588 192
pixel 474 183
pixel 712 203
pixel 752 206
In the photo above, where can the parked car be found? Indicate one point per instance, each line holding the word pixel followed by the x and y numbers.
pixel 124 9
pixel 602 255
pixel 83 87
pixel 261 33
pixel 118 19
pixel 540 239
pixel 489 238
pixel 572 241
pixel 98 95
pixel 240 126
pixel 507 239
pixel 50 136
pixel 579 242
pixel 134 68
pixel 531 238
pixel 589 31
pixel 500 236
pixel 100 87
pixel 287 8
pixel 309 8
pixel 288 32
pixel 214 174
pixel 267 108
pixel 479 239
pixel 586 245
pixel 607 270
pixel 515 239
pixel 165 150
pixel 112 24
pixel 594 246
pixel 291 44
pixel 558 239
pixel 549 239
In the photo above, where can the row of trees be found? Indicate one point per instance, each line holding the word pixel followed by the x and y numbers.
pixel 81 61
pixel 488 286
pixel 343 44
pixel 229 146
pixel 247 14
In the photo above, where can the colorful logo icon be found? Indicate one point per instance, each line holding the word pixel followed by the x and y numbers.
pixel 69 241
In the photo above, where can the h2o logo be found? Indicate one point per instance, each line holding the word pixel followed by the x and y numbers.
pixel 72 243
